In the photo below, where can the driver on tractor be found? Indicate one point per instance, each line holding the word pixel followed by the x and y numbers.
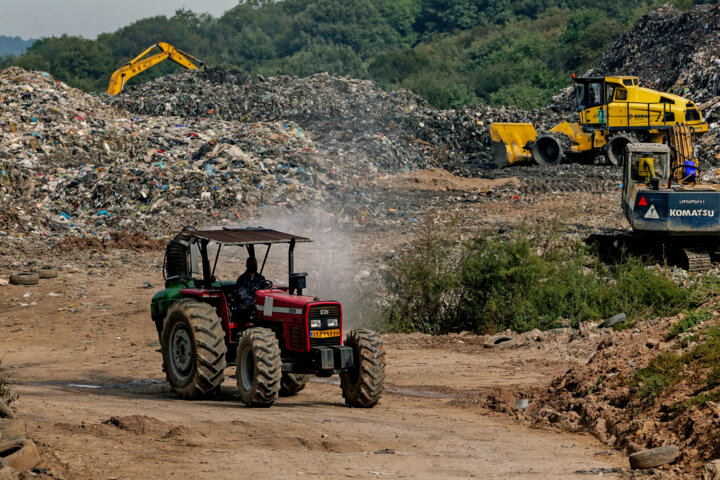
pixel 247 283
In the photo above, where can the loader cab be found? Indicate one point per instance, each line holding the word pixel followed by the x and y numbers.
pixel 589 92
pixel 591 96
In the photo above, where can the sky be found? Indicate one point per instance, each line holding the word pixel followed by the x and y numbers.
pixel 88 18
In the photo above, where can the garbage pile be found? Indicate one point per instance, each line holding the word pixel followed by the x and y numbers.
pixel 353 120
pixel 219 145
pixel 68 163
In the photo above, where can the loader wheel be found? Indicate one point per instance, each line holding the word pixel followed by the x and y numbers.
pixel 193 348
pixel 616 148
pixel 292 383
pixel 362 385
pixel 259 367
pixel 547 150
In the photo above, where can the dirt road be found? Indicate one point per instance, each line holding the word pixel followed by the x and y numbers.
pixel 84 355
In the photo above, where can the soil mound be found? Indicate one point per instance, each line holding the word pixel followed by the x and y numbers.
pixel 645 388
pixel 137 424
pixel 138 241
pixel 437 179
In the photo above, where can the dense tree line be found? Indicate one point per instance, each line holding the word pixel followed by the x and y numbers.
pixel 452 52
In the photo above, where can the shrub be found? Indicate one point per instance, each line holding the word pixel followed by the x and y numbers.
pixel 423 285
pixel 7 396
pixel 490 285
pixel 690 320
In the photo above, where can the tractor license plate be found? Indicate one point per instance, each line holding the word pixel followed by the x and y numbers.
pixel 324 333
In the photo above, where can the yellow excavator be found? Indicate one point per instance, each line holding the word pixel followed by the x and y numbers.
pixel 614 112
pixel 139 64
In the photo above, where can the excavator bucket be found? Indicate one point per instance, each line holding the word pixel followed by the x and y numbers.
pixel 509 141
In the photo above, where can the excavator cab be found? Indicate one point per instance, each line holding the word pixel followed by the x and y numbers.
pixel 647 164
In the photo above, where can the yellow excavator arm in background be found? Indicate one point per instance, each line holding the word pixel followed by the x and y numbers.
pixel 139 64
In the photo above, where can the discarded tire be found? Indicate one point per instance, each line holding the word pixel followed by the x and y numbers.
pixel 654 457
pixel 259 367
pixel 292 383
pixel 362 386
pixel 8 473
pixel 193 348
pixel 24 278
pixel 47 271
pixel 21 454
pixel 499 341
pixel 11 429
pixel 614 320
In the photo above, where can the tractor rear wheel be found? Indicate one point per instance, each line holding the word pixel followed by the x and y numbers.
pixel 362 385
pixel 292 383
pixel 259 367
pixel 193 348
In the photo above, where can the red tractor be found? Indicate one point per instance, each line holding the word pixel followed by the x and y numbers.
pixel 276 345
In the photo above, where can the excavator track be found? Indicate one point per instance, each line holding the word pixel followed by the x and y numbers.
pixel 614 246
pixel 698 259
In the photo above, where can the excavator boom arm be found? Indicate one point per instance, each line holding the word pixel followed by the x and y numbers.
pixel 139 64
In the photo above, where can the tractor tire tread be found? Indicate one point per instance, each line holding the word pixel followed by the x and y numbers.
pixel 210 348
pixel 268 367
pixel 292 384
pixel 366 391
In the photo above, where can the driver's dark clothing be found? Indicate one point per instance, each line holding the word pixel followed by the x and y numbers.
pixel 246 287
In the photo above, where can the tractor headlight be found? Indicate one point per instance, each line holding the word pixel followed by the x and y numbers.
pixel 332 322
pixel 315 323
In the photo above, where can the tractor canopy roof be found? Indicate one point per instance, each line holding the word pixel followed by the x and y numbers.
pixel 245 236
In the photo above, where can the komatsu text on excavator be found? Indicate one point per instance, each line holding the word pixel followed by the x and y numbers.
pixel 139 64
pixel 614 112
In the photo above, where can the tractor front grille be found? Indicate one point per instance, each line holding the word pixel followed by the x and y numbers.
pixel 323 312
pixel 318 312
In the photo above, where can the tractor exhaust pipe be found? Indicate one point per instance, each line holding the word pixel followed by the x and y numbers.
pixel 547 150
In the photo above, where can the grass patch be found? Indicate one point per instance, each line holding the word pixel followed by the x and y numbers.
pixel 662 372
pixel 688 322
pixel 488 285
pixel 699 367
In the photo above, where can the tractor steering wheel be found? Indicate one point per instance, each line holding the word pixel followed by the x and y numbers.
pixel 267 285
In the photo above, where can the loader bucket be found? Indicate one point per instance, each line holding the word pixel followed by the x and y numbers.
pixel 509 141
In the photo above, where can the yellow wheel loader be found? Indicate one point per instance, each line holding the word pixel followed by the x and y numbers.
pixel 139 64
pixel 613 111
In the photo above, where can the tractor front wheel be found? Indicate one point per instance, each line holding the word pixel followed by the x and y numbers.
pixel 292 383
pixel 362 385
pixel 193 348
pixel 259 367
